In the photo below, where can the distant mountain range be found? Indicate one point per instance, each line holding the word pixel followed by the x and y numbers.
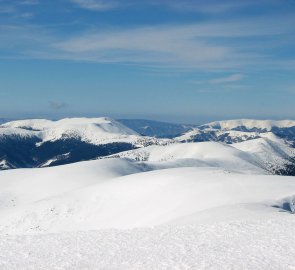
pixel 156 128
pixel 268 145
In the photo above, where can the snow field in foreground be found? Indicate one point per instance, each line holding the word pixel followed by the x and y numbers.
pixel 122 214
pixel 262 244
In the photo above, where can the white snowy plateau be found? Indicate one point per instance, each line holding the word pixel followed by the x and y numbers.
pixel 197 205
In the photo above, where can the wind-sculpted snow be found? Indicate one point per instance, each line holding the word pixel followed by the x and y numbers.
pixel 26 186
pixel 204 154
pixel 269 154
pixel 262 244
pixel 119 213
pixel 138 200
pixel 146 203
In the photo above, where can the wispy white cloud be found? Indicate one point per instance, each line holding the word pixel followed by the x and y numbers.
pixel 29 2
pixel 204 45
pixel 207 46
pixel 209 6
pixel 97 5
pixel 27 15
pixel 228 79
pixel 199 6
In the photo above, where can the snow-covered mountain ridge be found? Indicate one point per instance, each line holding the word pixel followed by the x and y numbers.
pixel 233 131
pixel 42 143
pixel 262 125
pixel 93 130
pixel 269 154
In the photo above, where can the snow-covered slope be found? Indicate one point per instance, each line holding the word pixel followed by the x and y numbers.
pixel 26 186
pixel 264 243
pixel 203 154
pixel 263 125
pixel 156 214
pixel 92 130
pixel 40 142
pixel 271 151
pixel 234 131
pixel 226 136
pixel 100 199
pixel 96 131
pixel 268 153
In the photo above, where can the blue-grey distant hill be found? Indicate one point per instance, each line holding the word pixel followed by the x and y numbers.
pixel 156 128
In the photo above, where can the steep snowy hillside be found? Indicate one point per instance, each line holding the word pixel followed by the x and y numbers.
pixel 40 142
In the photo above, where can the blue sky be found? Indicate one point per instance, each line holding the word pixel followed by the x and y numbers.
pixel 181 61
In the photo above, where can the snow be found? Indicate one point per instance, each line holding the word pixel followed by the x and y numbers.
pixel 268 153
pixel 25 186
pixel 6 132
pixel 270 150
pixel 4 165
pixel 180 206
pixel 203 154
pixel 103 124
pixel 137 200
pixel 259 244
pixel 97 131
pixel 188 135
pixel 92 130
pixel 250 123
pixel 216 134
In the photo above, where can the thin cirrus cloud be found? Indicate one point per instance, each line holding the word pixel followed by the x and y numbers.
pixel 96 5
pixel 229 79
pixel 210 6
pixel 227 45
pixel 200 6
pixel 204 45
